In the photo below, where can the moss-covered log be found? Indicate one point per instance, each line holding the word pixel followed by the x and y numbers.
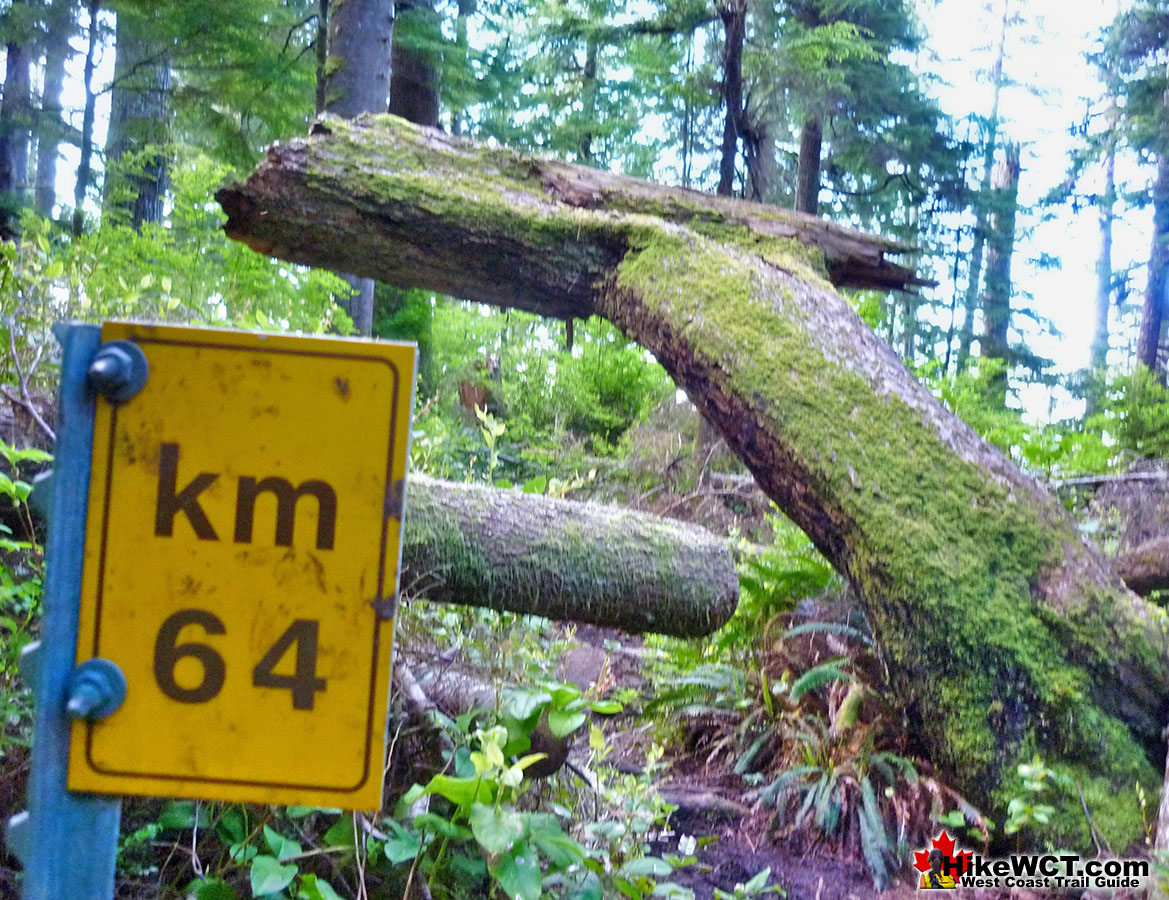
pixel 564 560
pixel 1006 635
pixel 1146 568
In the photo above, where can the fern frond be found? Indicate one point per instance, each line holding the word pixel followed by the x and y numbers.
pixel 818 676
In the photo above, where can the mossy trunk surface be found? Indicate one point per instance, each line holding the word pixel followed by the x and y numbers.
pixel 560 559
pixel 1005 634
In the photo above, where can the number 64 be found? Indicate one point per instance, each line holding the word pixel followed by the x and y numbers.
pixel 303 684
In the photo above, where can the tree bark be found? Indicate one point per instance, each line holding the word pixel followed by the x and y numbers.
pixel 981 212
pixel 504 550
pixel 357 75
pixel 81 185
pixel 139 129
pixel 1146 568
pixel 321 50
pixel 1006 634
pixel 734 17
pixel 59 28
pixel 808 169
pixel 1000 247
pixel 414 75
pixel 1153 310
pixel 15 122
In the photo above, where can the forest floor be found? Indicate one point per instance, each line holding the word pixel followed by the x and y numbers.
pixel 713 802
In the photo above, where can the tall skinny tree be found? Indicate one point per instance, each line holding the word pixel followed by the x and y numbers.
pixel 15 111
pixel 357 80
pixel 58 28
pixel 139 129
pixel 1000 245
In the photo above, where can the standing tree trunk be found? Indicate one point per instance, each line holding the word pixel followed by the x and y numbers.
pixel 1153 310
pixel 58 30
pixel 139 130
pixel 321 48
pixel 414 74
pixel 808 171
pixel 974 275
pixel 361 36
pixel 1005 633
pixel 81 185
pixel 996 296
pixel 734 17
pixel 588 99
pixel 1098 352
pixel 462 61
pixel 15 122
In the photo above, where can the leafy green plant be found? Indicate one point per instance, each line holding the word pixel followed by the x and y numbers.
pixel 1027 809
pixel 754 887
pixel 21 590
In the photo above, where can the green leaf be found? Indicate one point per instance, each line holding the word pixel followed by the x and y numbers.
pixel 496 830
pixel 232 826
pixel 818 676
pixel 647 867
pixel 401 845
pixel 758 882
pixel 341 833
pixel 281 847
pixel 559 849
pixel 589 889
pixel 212 889
pixel 523 705
pixel 562 722
pixel 562 694
pixel 606 707
pixel 536 485
pixel 313 888
pixel 408 799
pixel 518 873
pixel 268 876
pixel 460 791
pixel 240 852
pixel 439 825
pixel 178 814
pixel 299 812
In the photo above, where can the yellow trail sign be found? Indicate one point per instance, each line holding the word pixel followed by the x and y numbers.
pixel 241 567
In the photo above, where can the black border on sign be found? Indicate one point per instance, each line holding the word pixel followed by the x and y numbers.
pixel 372 727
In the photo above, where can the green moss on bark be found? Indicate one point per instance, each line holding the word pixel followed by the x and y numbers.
pixel 948 559
pixel 950 554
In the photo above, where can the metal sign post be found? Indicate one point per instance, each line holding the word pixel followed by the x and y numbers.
pixel 68 841
pixel 247 500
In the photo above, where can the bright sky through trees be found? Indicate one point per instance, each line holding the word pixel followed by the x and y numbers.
pixel 1051 87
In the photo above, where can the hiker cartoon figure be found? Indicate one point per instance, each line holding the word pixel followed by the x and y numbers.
pixel 935 878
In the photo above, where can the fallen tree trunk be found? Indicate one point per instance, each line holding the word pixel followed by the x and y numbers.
pixel 1006 635
pixel 559 559
pixel 1146 568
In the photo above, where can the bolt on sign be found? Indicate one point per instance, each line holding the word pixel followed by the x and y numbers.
pixel 241 568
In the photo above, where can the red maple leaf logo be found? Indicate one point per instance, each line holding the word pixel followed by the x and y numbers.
pixel 944 843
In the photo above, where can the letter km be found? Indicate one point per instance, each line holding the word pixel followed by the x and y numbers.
pixel 172 501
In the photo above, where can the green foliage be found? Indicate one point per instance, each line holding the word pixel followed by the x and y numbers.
pixel 772 581
pixel 754 887
pixel 1137 413
pixel 1027 809
pixel 21 590
pixel 186 271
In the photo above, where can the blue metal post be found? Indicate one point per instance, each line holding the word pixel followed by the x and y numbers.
pixel 67 841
